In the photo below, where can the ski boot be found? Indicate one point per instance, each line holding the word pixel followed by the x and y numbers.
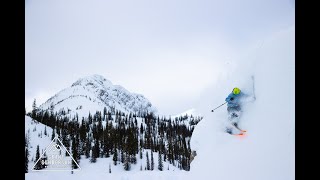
pixel 228 130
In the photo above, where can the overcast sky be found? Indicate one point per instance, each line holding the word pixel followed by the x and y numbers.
pixel 167 50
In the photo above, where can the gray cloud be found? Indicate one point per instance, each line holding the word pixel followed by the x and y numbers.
pixel 170 51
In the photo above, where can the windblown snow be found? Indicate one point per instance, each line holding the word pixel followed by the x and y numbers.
pixel 267 151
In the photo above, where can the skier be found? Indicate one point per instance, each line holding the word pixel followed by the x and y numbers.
pixel 234 102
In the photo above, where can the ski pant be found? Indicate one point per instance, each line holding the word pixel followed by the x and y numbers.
pixel 234 113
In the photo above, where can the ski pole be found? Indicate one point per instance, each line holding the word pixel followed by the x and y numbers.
pixel 218 107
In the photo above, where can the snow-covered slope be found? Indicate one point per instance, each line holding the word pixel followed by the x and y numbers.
pixel 99 170
pixel 268 150
pixel 93 93
pixel 34 131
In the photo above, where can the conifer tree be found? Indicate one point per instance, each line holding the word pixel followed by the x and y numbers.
pixel 115 157
pixel 26 161
pixel 122 156
pixel 34 109
pixel 87 148
pixel 78 147
pixel 152 162
pixel 141 129
pixel 148 163
pixel 140 153
pixel 38 165
pixel 45 130
pixel 52 135
pixel 160 163
pixel 105 143
pixel 74 154
pixel 26 155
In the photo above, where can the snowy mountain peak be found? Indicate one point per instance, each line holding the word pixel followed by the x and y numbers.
pixel 94 93
pixel 93 79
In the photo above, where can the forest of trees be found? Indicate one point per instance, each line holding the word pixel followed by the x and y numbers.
pixel 120 136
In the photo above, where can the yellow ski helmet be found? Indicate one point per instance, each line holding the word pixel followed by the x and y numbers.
pixel 236 90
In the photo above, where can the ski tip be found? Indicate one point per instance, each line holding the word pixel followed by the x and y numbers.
pixel 240 135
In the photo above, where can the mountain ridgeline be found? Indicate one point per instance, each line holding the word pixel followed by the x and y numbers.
pixel 93 93
pixel 95 119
